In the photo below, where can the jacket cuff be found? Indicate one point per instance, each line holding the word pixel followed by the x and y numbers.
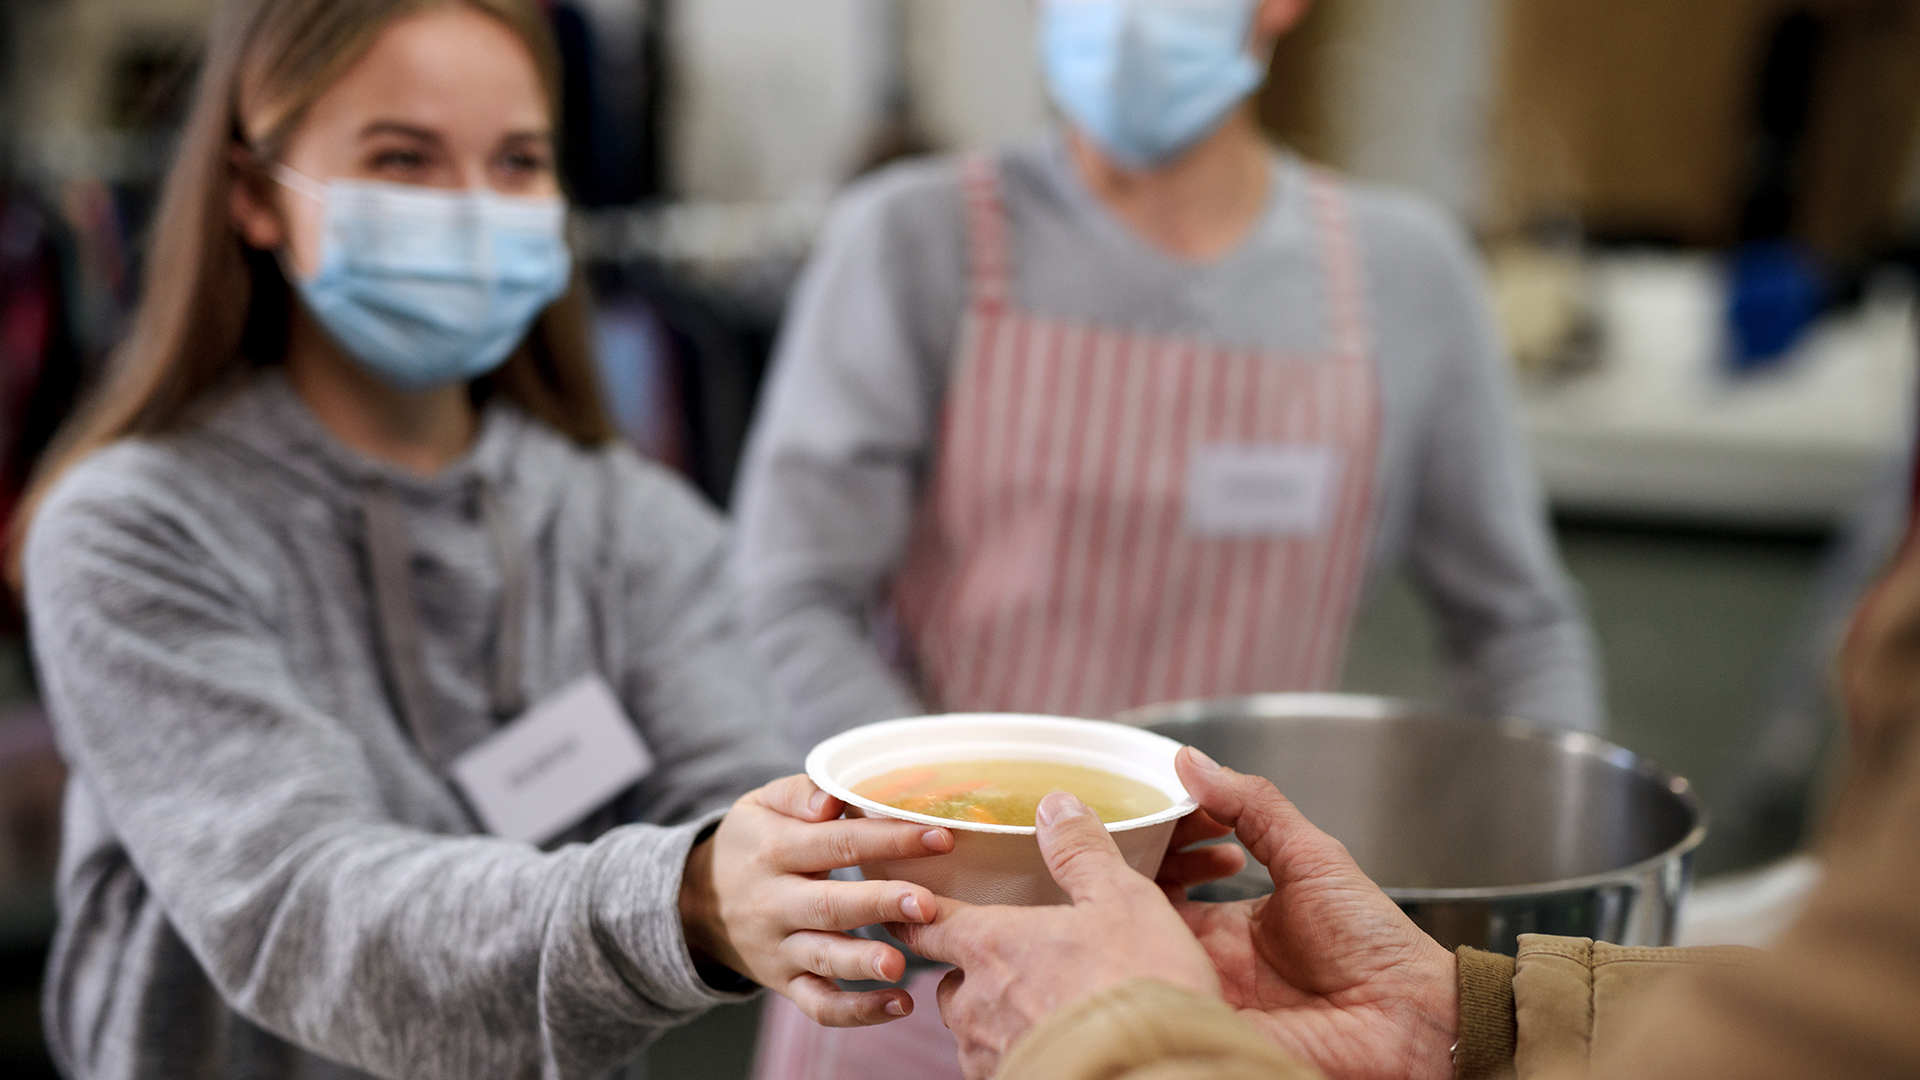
pixel 1141 1024
pixel 1488 1031
pixel 636 907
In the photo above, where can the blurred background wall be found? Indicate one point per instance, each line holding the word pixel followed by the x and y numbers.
pixel 1637 115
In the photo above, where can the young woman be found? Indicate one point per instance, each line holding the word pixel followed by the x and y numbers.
pixel 342 565
pixel 1131 414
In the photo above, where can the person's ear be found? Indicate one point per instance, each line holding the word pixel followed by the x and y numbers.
pixel 251 205
pixel 1273 18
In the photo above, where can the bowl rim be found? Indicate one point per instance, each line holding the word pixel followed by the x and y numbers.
pixel 1370 708
pixel 817 772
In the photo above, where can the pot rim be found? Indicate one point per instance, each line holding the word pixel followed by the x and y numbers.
pixel 1367 708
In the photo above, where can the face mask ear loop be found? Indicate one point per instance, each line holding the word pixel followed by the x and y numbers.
pixel 300 183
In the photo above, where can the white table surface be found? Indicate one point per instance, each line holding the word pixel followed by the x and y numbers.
pixel 1662 429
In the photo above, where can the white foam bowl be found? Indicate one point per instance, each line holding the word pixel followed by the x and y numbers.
pixel 1000 864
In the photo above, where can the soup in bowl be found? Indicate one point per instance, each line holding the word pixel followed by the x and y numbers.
pixel 981 775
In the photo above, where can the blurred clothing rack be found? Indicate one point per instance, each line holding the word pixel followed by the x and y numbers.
pixel 689 301
pixel 713 240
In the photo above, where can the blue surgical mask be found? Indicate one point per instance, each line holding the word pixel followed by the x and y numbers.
pixel 1146 79
pixel 426 288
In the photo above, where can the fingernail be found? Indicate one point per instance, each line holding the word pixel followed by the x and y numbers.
pixel 895 1008
pixel 937 840
pixel 910 907
pixel 877 973
pixel 819 800
pixel 1202 760
pixel 1060 806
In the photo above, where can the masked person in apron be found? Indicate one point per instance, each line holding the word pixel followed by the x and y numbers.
pixel 1131 414
pixel 408 721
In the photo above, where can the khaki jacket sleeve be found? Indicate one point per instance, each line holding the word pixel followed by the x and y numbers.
pixel 1838 996
pixel 1565 1005
pixel 1148 1030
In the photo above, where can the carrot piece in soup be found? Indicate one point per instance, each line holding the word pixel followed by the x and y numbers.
pixel 901 785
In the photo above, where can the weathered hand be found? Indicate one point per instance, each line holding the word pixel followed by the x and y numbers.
pixel 756 898
pixel 1327 967
pixel 1183 869
pixel 1017 965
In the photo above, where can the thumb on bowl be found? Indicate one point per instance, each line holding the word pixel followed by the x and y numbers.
pixel 1079 851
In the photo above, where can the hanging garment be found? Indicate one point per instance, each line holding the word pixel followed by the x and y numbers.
pixel 1116 518
pixel 41 366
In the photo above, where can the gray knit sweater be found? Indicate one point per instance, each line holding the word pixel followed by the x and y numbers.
pixel 263 874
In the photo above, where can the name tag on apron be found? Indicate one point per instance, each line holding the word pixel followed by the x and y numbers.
pixel 1271 490
pixel 560 761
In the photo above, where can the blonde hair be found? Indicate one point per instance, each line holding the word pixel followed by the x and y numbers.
pixel 211 307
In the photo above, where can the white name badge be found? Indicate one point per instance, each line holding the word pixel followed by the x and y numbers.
pixel 560 761
pixel 1261 489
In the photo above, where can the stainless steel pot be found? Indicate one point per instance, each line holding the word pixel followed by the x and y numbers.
pixel 1481 831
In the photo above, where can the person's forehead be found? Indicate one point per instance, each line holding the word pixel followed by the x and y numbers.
pixel 446 70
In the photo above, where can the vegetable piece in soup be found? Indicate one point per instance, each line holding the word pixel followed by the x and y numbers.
pixel 1008 792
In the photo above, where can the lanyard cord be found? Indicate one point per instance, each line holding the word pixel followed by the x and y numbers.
pixel 506 693
pixel 389 551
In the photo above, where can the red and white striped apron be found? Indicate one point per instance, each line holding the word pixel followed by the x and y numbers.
pixel 1052 568
pixel 1058 564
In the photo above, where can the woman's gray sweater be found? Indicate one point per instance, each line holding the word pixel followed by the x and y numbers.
pixel 263 874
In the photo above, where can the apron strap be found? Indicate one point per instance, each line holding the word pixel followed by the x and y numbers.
pixel 1346 289
pixel 990 264
pixel 389 553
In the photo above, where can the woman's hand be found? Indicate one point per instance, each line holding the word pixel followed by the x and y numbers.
pixel 756 898
pixel 1017 965
pixel 1328 966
